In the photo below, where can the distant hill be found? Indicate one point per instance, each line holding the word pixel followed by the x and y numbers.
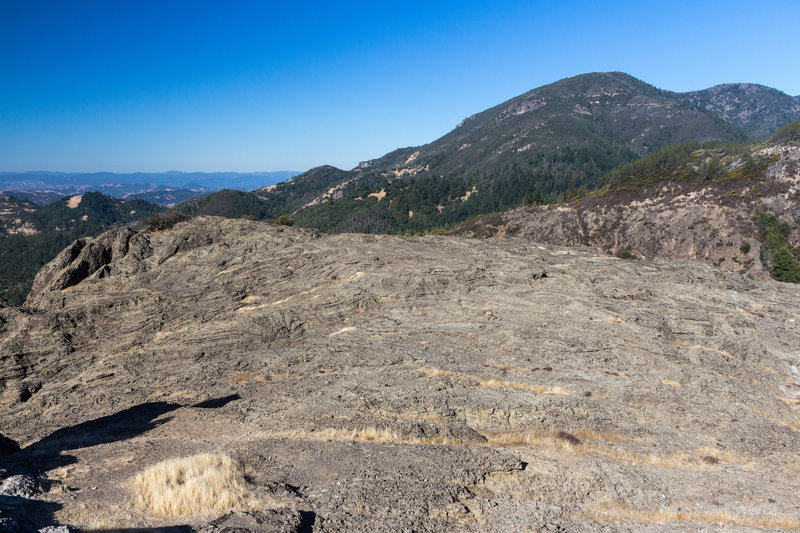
pixel 31 235
pixel 259 204
pixel 163 188
pixel 38 179
pixel 736 207
pixel 756 109
pixel 552 143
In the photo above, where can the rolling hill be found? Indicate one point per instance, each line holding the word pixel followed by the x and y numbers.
pixel 31 235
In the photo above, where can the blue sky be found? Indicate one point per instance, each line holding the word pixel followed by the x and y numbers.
pixel 248 86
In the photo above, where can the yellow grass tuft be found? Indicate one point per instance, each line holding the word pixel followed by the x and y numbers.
pixel 492 382
pixel 614 512
pixel 200 485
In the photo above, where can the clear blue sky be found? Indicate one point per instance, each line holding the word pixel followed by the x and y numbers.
pixel 197 85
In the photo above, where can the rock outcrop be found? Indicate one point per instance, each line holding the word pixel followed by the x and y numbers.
pixel 381 383
pixel 711 221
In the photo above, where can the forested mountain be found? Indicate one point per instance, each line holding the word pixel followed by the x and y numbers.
pixel 732 205
pixel 547 145
pixel 32 235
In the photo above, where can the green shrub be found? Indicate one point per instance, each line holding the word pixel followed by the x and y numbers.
pixel 745 248
pixel 163 221
pixel 284 220
pixel 777 255
pixel 624 254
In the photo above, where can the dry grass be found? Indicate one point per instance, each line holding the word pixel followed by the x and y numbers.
pixel 557 442
pixel 200 485
pixel 370 434
pixel 786 423
pixel 566 443
pixel 614 512
pixel 492 382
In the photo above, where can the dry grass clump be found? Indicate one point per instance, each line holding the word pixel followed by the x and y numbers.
pixel 199 485
pixel 540 438
pixel 614 512
pixel 492 382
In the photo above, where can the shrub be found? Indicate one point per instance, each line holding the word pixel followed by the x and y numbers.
pixel 163 221
pixel 777 255
pixel 745 248
pixel 284 220
pixel 624 254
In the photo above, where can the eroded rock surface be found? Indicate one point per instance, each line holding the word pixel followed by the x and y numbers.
pixel 379 383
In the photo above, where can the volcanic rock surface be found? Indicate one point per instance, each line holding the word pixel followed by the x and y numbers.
pixel 382 383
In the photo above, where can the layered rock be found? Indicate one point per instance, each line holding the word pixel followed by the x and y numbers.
pixel 389 383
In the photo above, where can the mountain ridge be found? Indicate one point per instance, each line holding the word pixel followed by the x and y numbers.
pixel 555 141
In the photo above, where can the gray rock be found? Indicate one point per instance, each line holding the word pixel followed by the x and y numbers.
pixel 19 485
pixel 269 521
pixel 361 386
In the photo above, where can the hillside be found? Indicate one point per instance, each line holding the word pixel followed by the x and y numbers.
pixel 382 384
pixel 553 142
pixel 734 206
pixel 755 109
pixel 31 235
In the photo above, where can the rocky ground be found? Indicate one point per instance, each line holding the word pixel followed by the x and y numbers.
pixel 380 383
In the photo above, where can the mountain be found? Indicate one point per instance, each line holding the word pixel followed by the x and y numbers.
pixel 555 141
pixel 733 206
pixel 755 109
pixel 31 235
pixel 295 381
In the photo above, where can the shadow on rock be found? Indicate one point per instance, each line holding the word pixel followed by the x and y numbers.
pixel 124 425
pixel 47 454
pixel 22 514
pixel 216 403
